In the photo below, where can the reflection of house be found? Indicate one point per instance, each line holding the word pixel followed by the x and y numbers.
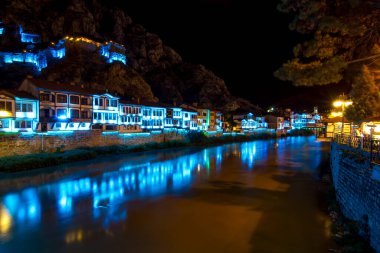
pixel 130 117
pixel 61 106
pixel 18 111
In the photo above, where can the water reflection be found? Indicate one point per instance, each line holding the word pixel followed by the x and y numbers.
pixel 102 196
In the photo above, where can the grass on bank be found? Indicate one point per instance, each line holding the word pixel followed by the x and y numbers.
pixel 40 160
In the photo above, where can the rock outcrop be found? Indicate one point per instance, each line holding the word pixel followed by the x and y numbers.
pixel 153 71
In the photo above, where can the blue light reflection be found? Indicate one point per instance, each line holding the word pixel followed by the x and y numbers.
pixel 104 196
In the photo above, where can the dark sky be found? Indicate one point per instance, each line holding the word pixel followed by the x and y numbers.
pixel 240 43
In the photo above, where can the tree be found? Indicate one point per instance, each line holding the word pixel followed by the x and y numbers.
pixel 344 36
pixel 367 94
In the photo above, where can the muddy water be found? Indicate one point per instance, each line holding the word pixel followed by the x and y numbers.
pixel 246 197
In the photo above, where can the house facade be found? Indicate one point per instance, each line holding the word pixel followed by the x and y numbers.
pixel 130 117
pixel 18 111
pixel 61 106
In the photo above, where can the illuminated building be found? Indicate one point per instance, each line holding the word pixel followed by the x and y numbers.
pixel 174 117
pixel 245 122
pixel 105 111
pixel 26 48
pixel 275 122
pixel 305 120
pixel 371 127
pixel 20 47
pixel 190 119
pixel 153 115
pixel 130 117
pixel 61 106
pixel 18 111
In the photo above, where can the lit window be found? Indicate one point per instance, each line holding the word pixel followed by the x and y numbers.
pixel 74 100
pixel 61 113
pixel 61 98
pixel 74 114
pixel 5 106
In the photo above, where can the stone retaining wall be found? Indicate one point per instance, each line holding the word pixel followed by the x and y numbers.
pixel 357 185
pixel 35 143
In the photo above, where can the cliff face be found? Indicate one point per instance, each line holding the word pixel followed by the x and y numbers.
pixel 153 71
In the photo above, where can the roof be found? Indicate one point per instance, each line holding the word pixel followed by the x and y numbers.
pixel 128 102
pixel 49 85
pixel 335 120
pixel 369 119
pixel 17 94
pixel 155 104
pixel 189 110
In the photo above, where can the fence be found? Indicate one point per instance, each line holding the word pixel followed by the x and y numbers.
pixel 362 143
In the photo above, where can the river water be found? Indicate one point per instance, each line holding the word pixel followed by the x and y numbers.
pixel 244 197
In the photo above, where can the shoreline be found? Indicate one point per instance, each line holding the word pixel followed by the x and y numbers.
pixel 19 163
pixel 347 235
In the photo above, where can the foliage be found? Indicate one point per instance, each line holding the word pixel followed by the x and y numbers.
pixel 367 97
pixel 342 37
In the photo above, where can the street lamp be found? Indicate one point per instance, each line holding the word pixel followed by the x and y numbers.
pixel 342 102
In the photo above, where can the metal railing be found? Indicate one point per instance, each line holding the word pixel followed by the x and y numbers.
pixel 367 144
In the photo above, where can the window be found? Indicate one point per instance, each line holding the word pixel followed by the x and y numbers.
pixel 186 115
pixel 74 114
pixel 111 102
pixel 23 124
pixel 62 113
pixel 84 114
pixel 21 107
pixel 114 116
pixel 61 98
pixel 85 101
pixel 204 114
pixel 4 123
pixel 176 113
pixel 146 112
pixel 74 100
pixel 98 101
pixel 5 106
pixel 44 97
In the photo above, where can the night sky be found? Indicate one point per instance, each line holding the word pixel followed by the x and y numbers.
pixel 243 45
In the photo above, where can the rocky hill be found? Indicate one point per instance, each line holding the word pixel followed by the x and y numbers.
pixel 153 71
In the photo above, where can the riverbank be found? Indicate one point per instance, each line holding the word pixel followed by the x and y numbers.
pixel 9 164
pixel 349 236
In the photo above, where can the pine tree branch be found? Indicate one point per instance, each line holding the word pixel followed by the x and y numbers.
pixel 365 58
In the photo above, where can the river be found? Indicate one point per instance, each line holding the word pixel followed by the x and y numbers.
pixel 241 197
